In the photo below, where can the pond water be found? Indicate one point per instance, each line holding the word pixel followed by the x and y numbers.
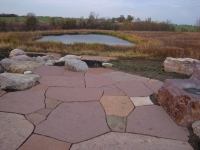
pixel 88 38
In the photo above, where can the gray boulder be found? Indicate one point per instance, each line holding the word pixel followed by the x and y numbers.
pixel 76 65
pixel 1 69
pixel 22 58
pixel 16 52
pixel 18 81
pixel 22 66
pixel 196 128
pixel 70 57
pixel 7 62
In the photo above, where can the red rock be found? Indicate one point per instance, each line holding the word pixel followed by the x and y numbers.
pixel 153 120
pixel 40 87
pixel 134 89
pixel 114 93
pixel 183 107
pixel 38 142
pixel 98 70
pixel 74 122
pixel 45 111
pixel 68 73
pixel 35 118
pixel 74 94
pixel 23 102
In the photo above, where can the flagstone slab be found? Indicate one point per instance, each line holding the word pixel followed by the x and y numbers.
pixel 45 111
pixel 75 122
pixel 124 77
pixel 74 94
pixel 2 93
pixel 93 80
pixel 114 93
pixel 38 142
pixel 154 121
pixel 39 87
pixel 126 141
pixel 49 70
pixel 116 123
pixel 22 102
pixel 14 130
pixel 141 101
pixel 51 103
pixel 109 87
pixel 117 105
pixel 68 73
pixel 98 70
pixel 36 118
pixel 62 81
pixel 154 86
pixel 134 89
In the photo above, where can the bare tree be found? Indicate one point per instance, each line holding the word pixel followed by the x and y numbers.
pixel 31 21
pixel 198 24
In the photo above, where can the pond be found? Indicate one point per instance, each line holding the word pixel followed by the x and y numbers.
pixel 88 38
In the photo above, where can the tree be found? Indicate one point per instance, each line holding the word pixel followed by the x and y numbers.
pixel 121 18
pixel 92 20
pixel 198 24
pixel 31 21
pixel 129 18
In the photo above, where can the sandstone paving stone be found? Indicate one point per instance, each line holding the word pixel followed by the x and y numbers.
pixel 49 70
pixel 74 94
pixel 124 77
pixel 22 102
pixel 116 123
pixel 39 87
pixel 51 103
pixel 98 70
pixel 141 101
pixel 154 86
pixel 2 93
pixel 14 130
pixel 93 80
pixel 74 122
pixel 38 142
pixel 45 111
pixel 62 81
pixel 126 141
pixel 117 105
pixel 114 93
pixel 68 73
pixel 154 121
pixel 36 118
pixel 109 87
pixel 134 89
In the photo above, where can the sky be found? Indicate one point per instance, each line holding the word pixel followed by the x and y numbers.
pixel 177 11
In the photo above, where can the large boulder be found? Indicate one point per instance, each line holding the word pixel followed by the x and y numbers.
pixel 181 100
pixel 18 81
pixel 76 65
pixel 22 66
pixel 7 62
pixel 16 52
pixel 70 57
pixel 196 128
pixel 42 59
pixel 186 66
pixel 22 58
pixel 1 69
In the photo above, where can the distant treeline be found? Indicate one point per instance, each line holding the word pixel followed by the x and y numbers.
pixel 92 22
pixel 8 15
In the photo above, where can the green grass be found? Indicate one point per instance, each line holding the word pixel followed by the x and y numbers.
pixel 179 28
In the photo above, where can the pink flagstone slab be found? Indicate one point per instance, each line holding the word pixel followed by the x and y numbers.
pixel 14 130
pixel 113 93
pixel 117 105
pixel 74 94
pixel 49 70
pixel 134 89
pixel 38 142
pixel 62 81
pixel 75 122
pixel 154 121
pixel 40 87
pixel 109 87
pixel 93 80
pixel 141 101
pixel 2 93
pixel 51 103
pixel 36 118
pixel 98 70
pixel 68 73
pixel 127 141
pixel 23 102
pixel 154 86
pixel 124 77
pixel 45 111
